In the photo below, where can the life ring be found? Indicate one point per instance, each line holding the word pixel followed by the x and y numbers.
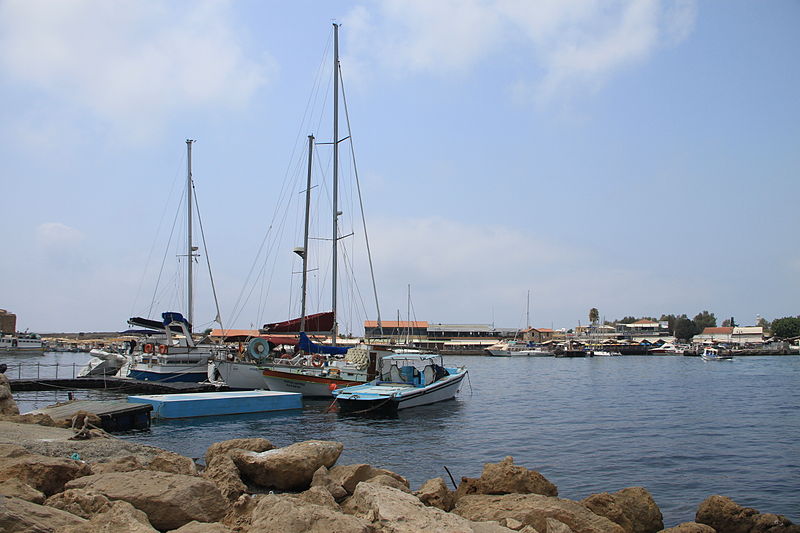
pixel 148 348
pixel 317 360
pixel 162 349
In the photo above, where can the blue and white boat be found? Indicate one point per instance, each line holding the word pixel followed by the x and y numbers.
pixel 716 354
pixel 407 380
pixel 171 355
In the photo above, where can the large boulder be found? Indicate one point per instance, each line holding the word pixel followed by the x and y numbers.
pixel 689 527
pixel 434 493
pixel 45 474
pixel 534 510
pixel 169 500
pixel 20 516
pixel 173 463
pixel 120 516
pixel 126 463
pixel 633 508
pixel 80 502
pixel 17 489
pixel 287 514
pixel 289 468
pixel 225 447
pixel 348 476
pixel 506 478
pixel 7 404
pixel 723 514
pixel 391 510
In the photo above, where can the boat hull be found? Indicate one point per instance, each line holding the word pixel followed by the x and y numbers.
pixel 239 375
pixel 307 384
pixel 367 402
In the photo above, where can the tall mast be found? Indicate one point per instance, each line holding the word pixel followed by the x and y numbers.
pixel 528 313
pixel 334 258
pixel 190 248
pixel 305 233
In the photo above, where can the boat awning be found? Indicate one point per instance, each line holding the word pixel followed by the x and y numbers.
pixel 153 324
pixel 319 322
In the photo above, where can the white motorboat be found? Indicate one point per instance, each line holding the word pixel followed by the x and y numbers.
pixel 407 380
pixel 716 354
pixel 104 363
pixel 509 348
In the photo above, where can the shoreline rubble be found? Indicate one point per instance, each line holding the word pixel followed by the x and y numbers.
pixel 51 482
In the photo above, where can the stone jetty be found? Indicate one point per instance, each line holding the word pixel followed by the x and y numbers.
pixel 70 480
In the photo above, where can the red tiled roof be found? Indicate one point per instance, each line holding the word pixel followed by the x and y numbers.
pixel 717 331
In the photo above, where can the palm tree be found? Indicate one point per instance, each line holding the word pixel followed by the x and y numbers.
pixel 594 315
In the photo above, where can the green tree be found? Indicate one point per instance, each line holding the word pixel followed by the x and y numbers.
pixel 685 329
pixel 762 322
pixel 786 327
pixel 670 320
pixel 704 320
pixel 727 323
pixel 594 315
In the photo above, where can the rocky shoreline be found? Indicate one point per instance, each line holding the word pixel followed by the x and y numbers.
pixel 61 479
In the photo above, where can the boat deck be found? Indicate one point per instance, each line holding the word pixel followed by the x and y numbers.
pixel 115 415
pixel 219 403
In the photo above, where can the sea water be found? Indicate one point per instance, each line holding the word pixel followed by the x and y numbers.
pixel 681 427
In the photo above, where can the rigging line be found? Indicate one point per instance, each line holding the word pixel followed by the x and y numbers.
pixel 208 261
pixel 164 258
pixel 355 289
pixel 361 202
pixel 158 232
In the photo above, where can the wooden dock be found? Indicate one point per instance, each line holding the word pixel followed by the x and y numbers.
pixel 110 384
pixel 115 415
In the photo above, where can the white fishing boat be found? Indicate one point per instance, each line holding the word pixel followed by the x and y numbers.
pixel 21 344
pixel 509 348
pixel 407 380
pixel 716 354
pixel 105 363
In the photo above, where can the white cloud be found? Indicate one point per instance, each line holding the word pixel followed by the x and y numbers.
pixel 128 62
pixel 57 235
pixel 571 43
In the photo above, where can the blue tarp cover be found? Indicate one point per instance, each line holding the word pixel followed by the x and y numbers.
pixel 309 347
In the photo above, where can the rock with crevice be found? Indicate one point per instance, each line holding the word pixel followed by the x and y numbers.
pixel 173 463
pixel 45 474
pixel 169 500
pixel 633 508
pixel 349 476
pixel 506 478
pixel 225 447
pixel 283 513
pixel 119 517
pixel 322 478
pixel 126 463
pixel 434 493
pixel 534 510
pixel 289 468
pixel 689 527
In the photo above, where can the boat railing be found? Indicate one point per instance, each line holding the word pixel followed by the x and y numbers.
pixel 43 370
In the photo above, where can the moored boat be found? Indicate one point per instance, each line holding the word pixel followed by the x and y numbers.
pixel 716 354
pixel 21 344
pixel 407 380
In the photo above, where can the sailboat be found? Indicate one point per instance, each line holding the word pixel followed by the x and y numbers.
pixel 169 352
pixel 330 367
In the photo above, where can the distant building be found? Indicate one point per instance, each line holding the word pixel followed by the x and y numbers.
pixel 643 330
pixel 731 335
pixel 8 322
pixel 396 329
pixel 537 334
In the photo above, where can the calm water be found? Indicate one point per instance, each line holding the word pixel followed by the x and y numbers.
pixel 681 427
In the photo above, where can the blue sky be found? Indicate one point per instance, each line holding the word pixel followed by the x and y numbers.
pixel 640 157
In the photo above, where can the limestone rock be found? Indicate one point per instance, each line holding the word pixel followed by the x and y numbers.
pixel 7 404
pixel 20 516
pixel 319 496
pixel 173 463
pixel 12 450
pixel 393 511
pixel 46 474
pixel 506 478
pixel 225 475
pixel 120 516
pixel 40 419
pixel 348 476
pixel 723 514
pixel 289 468
pixel 282 513
pixel 323 479
pixel 689 527
pixel 556 526
pixel 170 500
pixel 389 481
pixel 633 508
pixel 240 513
pixel 534 510
pixel 434 493
pixel 227 446
pixel 17 489
pixel 127 463
pixel 80 502
pixel 202 527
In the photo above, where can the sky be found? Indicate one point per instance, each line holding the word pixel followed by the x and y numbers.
pixel 519 162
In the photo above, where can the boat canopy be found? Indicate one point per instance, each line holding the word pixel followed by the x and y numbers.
pixel 155 324
pixel 320 322
pixel 309 347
